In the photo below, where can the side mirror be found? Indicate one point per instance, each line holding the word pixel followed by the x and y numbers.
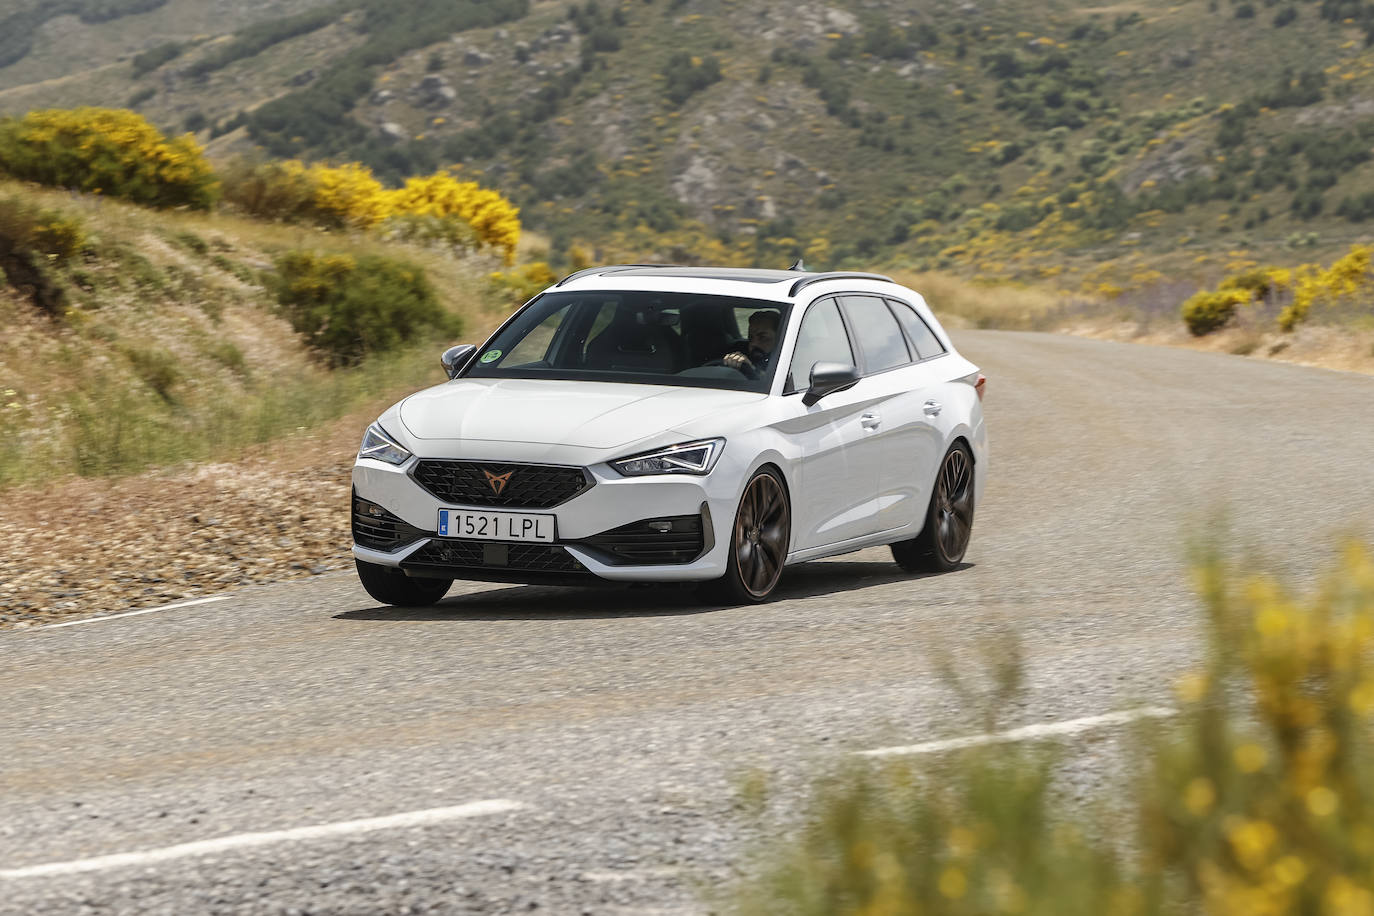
pixel 455 357
pixel 827 378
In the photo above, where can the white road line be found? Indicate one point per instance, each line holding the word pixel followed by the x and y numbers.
pixel 146 610
pixel 250 840
pixel 1026 733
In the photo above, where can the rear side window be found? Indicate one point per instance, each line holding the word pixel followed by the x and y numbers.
pixel 920 334
pixel 877 332
pixel 820 339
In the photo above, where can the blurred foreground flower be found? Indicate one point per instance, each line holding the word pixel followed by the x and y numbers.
pixel 1258 799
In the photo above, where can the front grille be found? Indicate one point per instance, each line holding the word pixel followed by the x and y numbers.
pixel 492 555
pixel 528 486
pixel 378 529
pixel 645 543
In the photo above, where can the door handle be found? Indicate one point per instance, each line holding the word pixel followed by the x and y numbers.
pixel 870 421
pixel 933 408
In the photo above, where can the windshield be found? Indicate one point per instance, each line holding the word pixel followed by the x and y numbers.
pixel 640 337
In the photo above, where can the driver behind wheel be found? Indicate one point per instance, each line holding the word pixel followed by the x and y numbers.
pixel 758 350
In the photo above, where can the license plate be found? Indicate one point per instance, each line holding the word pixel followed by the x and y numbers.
pixel 495 526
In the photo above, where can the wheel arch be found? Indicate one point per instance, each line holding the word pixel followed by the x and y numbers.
pixel 778 464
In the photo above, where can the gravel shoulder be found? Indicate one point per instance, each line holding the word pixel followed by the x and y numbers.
pixel 81 547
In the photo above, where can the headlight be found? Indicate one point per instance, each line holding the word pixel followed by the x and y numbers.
pixel 377 444
pixel 688 458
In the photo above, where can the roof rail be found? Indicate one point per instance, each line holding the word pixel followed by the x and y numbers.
pixel 835 275
pixel 588 271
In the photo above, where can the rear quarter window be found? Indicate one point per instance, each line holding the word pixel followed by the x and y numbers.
pixel 920 334
pixel 877 333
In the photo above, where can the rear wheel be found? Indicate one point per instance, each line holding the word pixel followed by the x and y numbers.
pixel 758 542
pixel 391 586
pixel 949 518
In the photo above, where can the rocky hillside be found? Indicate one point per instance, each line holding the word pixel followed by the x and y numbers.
pixel 1014 139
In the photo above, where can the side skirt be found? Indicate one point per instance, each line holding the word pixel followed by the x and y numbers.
pixel 880 539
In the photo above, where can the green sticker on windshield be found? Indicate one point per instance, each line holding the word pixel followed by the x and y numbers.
pixel 490 356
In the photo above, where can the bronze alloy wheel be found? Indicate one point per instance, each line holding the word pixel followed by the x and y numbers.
pixel 954 505
pixel 763 526
pixel 949 519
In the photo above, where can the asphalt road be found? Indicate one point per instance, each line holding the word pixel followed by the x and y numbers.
pixel 622 721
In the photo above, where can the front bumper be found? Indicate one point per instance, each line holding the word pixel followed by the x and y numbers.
pixel 600 532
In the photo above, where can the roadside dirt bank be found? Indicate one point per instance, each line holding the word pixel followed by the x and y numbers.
pixel 1320 346
pixel 83 547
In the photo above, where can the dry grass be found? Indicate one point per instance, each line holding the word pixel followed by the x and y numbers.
pixel 172 348
pixel 1147 316
pixel 961 303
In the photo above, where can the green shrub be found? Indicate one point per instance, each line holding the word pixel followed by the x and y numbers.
pixel 50 233
pixel 269 189
pixel 153 58
pixel 685 75
pixel 348 308
pixel 32 241
pixel 1209 311
pixel 156 368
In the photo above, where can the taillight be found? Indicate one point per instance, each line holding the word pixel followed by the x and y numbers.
pixel 981 384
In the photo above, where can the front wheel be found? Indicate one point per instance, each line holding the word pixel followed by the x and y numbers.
pixel 758 542
pixel 949 518
pixel 391 586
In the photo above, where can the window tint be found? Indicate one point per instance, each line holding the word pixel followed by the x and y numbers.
pixel 821 339
pixel 927 344
pixel 877 332
pixel 534 348
pixel 633 336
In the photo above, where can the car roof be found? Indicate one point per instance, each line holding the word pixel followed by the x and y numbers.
pixel 744 280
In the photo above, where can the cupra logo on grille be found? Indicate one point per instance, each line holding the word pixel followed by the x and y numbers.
pixel 498 481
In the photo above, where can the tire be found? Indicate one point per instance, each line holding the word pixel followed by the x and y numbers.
pixel 943 540
pixel 759 540
pixel 391 586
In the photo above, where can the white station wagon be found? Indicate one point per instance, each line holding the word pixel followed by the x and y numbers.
pixel 649 423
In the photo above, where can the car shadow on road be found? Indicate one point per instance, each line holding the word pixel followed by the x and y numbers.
pixel 541 602
pixel 810 580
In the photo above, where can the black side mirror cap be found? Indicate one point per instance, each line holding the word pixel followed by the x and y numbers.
pixel 827 378
pixel 455 358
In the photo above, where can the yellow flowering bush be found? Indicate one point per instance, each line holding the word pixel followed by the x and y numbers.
pixel 491 219
pixel 1256 800
pixel 347 196
pixel 107 151
pixel 1345 278
pixel 1275 816
pixel 523 283
pixel 1207 311
pixel 1306 286
pixel 433 208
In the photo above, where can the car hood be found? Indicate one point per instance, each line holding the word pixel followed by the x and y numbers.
pixel 549 412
